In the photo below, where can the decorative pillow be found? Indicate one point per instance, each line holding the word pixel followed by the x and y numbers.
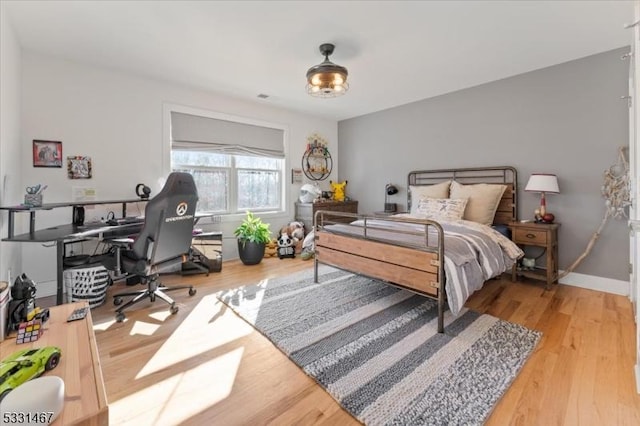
pixel 484 199
pixel 442 208
pixel 418 192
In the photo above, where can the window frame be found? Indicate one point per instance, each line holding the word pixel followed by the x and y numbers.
pixel 233 179
pixel 283 208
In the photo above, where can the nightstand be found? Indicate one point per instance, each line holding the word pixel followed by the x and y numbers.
pixel 305 212
pixel 543 235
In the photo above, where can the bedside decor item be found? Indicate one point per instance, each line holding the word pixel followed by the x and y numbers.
pixel 47 153
pixel 327 80
pixel 543 183
pixel 617 193
pixel 389 189
pixel 528 263
pixel 253 235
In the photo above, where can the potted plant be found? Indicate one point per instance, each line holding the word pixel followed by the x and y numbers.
pixel 252 236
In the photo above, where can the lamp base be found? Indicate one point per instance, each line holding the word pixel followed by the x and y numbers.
pixel 390 207
pixel 547 218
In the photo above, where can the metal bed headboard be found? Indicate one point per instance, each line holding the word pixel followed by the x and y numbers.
pixel 508 207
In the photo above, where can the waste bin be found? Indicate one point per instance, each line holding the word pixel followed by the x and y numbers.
pixel 87 283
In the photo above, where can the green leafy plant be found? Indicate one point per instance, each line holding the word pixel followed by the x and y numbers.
pixel 253 229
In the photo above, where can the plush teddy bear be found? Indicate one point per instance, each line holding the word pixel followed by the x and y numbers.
pixel 271 248
pixel 339 190
pixel 285 246
pixel 295 230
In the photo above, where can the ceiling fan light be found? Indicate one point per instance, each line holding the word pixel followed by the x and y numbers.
pixel 327 79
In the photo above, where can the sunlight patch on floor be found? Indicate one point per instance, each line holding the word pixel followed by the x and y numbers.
pixel 160 315
pixel 250 297
pixel 179 397
pixel 143 328
pixel 103 326
pixel 209 325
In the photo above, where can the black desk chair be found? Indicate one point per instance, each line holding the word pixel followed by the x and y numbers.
pixel 164 241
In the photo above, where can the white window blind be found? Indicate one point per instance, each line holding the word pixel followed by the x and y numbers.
pixel 204 134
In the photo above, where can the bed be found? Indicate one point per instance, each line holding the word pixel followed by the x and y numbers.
pixel 438 255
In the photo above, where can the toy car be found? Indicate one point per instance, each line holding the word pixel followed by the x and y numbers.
pixel 26 364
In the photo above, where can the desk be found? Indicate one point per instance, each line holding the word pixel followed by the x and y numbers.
pixel 85 399
pixel 50 206
pixel 66 234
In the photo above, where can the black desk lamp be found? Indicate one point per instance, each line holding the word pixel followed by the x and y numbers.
pixel 389 189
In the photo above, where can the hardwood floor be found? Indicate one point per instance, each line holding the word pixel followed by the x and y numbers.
pixel 205 365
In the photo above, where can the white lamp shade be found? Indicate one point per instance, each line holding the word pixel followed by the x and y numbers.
pixel 539 182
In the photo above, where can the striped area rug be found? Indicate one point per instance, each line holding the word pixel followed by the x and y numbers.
pixel 376 350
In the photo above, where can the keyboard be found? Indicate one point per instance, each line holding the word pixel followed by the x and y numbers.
pixel 130 219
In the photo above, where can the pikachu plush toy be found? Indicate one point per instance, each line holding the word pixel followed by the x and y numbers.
pixel 338 190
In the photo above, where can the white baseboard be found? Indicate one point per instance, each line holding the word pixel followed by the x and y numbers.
pixel 637 378
pixel 592 282
pixel 46 288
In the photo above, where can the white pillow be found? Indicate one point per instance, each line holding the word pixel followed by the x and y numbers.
pixel 442 208
pixel 418 192
pixel 484 199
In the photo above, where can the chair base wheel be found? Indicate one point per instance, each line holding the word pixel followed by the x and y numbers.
pixel 174 309
pixel 117 301
pixel 192 291
pixel 120 317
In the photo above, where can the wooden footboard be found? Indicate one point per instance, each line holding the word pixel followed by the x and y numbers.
pixel 376 252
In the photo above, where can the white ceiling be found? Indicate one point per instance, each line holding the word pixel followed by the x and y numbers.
pixel 396 52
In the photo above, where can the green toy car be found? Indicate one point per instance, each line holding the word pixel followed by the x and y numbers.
pixel 26 364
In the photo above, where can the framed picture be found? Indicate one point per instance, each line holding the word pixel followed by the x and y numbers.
pixel 79 167
pixel 47 153
pixel 296 175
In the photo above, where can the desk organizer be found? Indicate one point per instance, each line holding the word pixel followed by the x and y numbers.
pixel 34 200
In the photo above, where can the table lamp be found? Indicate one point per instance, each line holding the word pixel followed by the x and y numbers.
pixel 543 183
pixel 389 189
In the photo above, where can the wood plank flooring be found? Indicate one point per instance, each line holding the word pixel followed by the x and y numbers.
pixel 205 365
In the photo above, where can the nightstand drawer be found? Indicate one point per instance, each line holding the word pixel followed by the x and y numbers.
pixel 530 236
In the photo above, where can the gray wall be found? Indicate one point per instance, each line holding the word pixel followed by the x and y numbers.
pixel 567 119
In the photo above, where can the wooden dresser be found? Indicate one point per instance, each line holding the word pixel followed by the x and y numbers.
pixel 306 211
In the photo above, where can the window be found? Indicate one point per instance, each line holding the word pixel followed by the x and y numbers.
pixel 257 180
pixel 236 166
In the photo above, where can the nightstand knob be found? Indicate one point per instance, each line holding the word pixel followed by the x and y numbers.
pixel 531 235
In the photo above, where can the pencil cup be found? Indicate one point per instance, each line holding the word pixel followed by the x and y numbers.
pixel 34 200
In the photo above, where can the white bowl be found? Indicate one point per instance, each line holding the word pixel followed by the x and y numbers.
pixel 35 399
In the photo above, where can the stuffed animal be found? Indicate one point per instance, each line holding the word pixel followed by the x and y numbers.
pixel 339 190
pixel 285 246
pixel 297 231
pixel 271 248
